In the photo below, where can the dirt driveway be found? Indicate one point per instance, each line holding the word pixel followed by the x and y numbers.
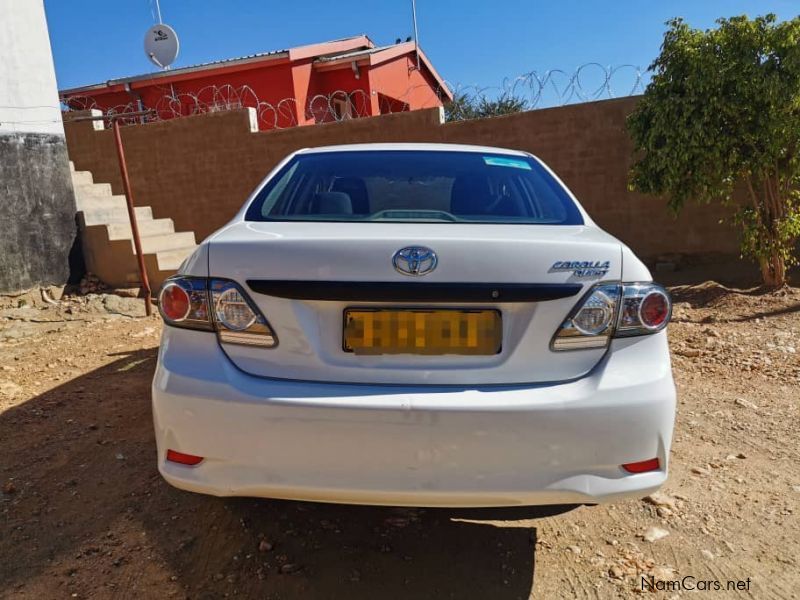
pixel 84 513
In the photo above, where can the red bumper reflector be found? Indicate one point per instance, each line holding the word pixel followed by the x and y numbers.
pixel 642 466
pixel 184 459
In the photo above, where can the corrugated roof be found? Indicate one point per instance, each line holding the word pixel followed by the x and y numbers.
pixel 204 65
pixel 222 61
pixel 353 53
pixel 200 66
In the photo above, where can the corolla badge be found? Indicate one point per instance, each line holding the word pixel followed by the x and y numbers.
pixel 582 268
pixel 414 260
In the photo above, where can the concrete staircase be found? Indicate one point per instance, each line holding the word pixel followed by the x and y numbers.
pixel 107 241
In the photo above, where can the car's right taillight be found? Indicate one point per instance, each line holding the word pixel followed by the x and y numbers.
pixel 612 310
pixel 214 305
pixel 646 308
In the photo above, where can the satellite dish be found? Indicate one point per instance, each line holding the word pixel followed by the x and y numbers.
pixel 161 45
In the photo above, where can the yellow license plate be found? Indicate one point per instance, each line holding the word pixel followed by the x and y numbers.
pixel 421 331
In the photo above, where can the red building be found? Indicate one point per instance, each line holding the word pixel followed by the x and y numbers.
pixel 330 81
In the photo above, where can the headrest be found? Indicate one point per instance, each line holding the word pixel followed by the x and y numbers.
pixel 332 203
pixel 357 189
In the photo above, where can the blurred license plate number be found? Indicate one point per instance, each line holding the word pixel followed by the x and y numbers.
pixel 418 331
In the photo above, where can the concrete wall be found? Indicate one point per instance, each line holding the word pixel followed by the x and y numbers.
pixel 199 170
pixel 37 207
pixel 28 92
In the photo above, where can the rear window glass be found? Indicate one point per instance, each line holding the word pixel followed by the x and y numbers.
pixel 416 186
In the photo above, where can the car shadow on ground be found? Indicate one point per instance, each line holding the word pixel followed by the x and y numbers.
pixel 85 512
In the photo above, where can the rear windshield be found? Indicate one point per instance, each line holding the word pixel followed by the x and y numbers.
pixel 414 186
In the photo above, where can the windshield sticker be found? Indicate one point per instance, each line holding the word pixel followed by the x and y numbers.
pixel 501 161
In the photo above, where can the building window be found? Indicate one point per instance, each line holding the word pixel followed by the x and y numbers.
pixel 342 108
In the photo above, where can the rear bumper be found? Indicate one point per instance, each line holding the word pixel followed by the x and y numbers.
pixel 424 446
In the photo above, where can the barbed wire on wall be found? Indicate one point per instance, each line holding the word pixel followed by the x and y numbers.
pixel 591 81
pixel 532 90
pixel 529 91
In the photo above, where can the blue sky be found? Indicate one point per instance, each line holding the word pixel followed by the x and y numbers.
pixel 469 42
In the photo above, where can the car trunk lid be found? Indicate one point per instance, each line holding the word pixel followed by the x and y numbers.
pixel 305 277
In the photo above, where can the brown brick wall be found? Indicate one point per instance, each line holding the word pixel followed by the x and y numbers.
pixel 199 170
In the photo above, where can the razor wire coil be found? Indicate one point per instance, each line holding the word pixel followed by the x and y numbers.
pixel 528 91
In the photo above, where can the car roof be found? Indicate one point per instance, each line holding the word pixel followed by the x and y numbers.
pixel 413 146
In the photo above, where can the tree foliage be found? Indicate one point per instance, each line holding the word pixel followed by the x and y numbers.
pixel 722 114
pixel 465 106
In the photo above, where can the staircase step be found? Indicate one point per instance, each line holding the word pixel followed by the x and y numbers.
pixel 107 215
pixel 167 241
pixel 150 227
pixel 106 236
pixel 82 178
pixel 170 260
pixel 89 203
pixel 94 190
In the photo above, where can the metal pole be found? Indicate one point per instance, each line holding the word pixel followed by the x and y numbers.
pixel 137 242
pixel 416 35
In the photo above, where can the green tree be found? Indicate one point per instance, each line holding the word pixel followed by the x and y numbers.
pixel 465 106
pixel 722 113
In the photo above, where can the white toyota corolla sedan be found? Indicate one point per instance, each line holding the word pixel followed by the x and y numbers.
pixel 414 324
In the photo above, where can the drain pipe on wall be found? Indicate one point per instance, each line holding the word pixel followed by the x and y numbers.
pixel 138 98
pixel 416 33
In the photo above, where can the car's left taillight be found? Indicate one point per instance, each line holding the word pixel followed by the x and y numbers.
pixel 219 305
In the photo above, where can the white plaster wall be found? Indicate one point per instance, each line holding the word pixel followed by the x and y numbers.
pixel 28 90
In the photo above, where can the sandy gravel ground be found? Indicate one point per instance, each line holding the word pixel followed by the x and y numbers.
pixel 84 513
